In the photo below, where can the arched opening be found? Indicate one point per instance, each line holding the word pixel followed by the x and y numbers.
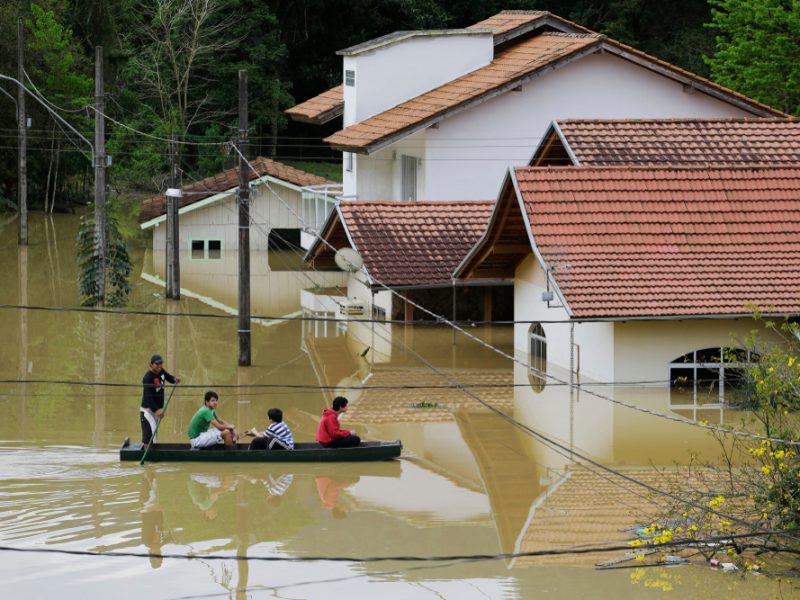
pixel 537 357
pixel 708 375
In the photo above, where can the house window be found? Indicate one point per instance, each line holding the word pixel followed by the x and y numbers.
pixel 537 357
pixel 349 78
pixel 348 161
pixel 706 376
pixel 408 186
pixel 378 313
pixel 205 249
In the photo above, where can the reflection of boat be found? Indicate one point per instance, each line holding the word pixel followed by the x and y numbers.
pixel 303 452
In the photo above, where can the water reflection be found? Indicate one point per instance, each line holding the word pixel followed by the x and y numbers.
pixel 469 482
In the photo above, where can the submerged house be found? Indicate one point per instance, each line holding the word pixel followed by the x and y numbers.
pixel 627 274
pixel 444 129
pixel 409 250
pixel 283 200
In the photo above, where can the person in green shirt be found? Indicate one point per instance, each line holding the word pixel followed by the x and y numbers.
pixel 206 427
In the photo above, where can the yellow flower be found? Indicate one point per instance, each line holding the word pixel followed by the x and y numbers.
pixel 766 470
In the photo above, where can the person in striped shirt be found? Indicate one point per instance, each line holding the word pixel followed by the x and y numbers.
pixel 277 436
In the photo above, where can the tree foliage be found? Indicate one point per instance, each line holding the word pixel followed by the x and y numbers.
pixel 117 268
pixel 758 50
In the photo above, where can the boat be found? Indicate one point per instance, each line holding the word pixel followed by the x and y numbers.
pixel 303 452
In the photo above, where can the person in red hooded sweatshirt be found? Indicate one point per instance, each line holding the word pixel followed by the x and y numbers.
pixel 329 433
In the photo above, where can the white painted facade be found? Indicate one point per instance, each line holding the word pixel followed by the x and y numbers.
pixel 629 351
pixel 467 155
pixel 274 204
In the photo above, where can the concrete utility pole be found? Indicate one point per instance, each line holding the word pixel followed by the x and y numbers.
pixel 22 122
pixel 244 229
pixel 173 241
pixel 100 174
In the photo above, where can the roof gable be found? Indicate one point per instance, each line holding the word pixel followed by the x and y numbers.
pixel 404 243
pixel 667 242
pixel 227 180
pixel 608 142
pixel 510 67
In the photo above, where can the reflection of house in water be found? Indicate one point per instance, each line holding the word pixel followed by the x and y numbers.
pixel 284 201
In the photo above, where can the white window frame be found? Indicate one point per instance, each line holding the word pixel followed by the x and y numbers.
pixel 537 357
pixel 206 242
pixel 408 178
pixel 350 77
pixel 694 365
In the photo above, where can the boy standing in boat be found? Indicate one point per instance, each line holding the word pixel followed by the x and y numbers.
pixel 277 436
pixel 206 427
pixel 329 432
pixel 152 407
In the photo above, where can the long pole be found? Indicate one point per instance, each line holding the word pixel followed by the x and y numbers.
pixel 100 176
pixel 158 424
pixel 244 229
pixel 173 241
pixel 22 122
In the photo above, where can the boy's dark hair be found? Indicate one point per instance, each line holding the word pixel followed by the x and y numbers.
pixel 209 395
pixel 275 414
pixel 339 402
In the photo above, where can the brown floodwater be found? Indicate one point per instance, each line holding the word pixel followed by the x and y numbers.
pixel 470 482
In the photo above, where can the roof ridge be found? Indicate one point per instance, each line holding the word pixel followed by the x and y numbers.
pixel 607 168
pixel 751 119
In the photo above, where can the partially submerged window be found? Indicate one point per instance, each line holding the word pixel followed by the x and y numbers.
pixel 537 357
pixel 378 313
pixel 706 376
pixel 205 249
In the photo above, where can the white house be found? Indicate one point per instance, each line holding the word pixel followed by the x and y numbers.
pixel 630 274
pixel 284 200
pixel 415 127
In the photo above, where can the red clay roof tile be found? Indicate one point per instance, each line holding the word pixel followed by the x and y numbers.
pixel 664 142
pixel 414 243
pixel 156 206
pixel 321 108
pixel 668 241
pixel 509 65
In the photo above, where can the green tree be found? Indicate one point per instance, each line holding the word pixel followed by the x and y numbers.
pixel 758 49
pixel 118 265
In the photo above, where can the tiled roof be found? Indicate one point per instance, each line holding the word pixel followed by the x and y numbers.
pixel 683 141
pixel 508 67
pixel 659 242
pixel 319 109
pixel 156 206
pixel 508 20
pixel 412 243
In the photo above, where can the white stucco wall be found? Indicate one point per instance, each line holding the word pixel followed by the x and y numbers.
pixel 594 341
pixel 391 74
pixel 467 156
pixel 644 349
pixel 220 220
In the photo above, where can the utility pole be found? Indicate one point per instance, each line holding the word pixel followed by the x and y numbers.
pixel 22 122
pixel 244 229
pixel 100 175
pixel 173 241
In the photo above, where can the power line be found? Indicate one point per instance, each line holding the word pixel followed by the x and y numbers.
pixel 576 550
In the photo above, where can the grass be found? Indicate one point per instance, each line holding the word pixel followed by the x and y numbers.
pixel 329 170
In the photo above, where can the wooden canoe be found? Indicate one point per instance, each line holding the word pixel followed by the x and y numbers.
pixel 303 452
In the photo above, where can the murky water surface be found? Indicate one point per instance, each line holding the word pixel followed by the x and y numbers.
pixel 469 482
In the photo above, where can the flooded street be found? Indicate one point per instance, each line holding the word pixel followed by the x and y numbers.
pixel 470 481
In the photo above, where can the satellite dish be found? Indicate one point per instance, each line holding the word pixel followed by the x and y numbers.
pixel 348 259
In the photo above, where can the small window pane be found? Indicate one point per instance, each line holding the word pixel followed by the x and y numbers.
pixel 350 78
pixel 198 249
pixel 215 249
pixel 709 355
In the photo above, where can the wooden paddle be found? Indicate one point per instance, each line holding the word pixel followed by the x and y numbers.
pixel 158 422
